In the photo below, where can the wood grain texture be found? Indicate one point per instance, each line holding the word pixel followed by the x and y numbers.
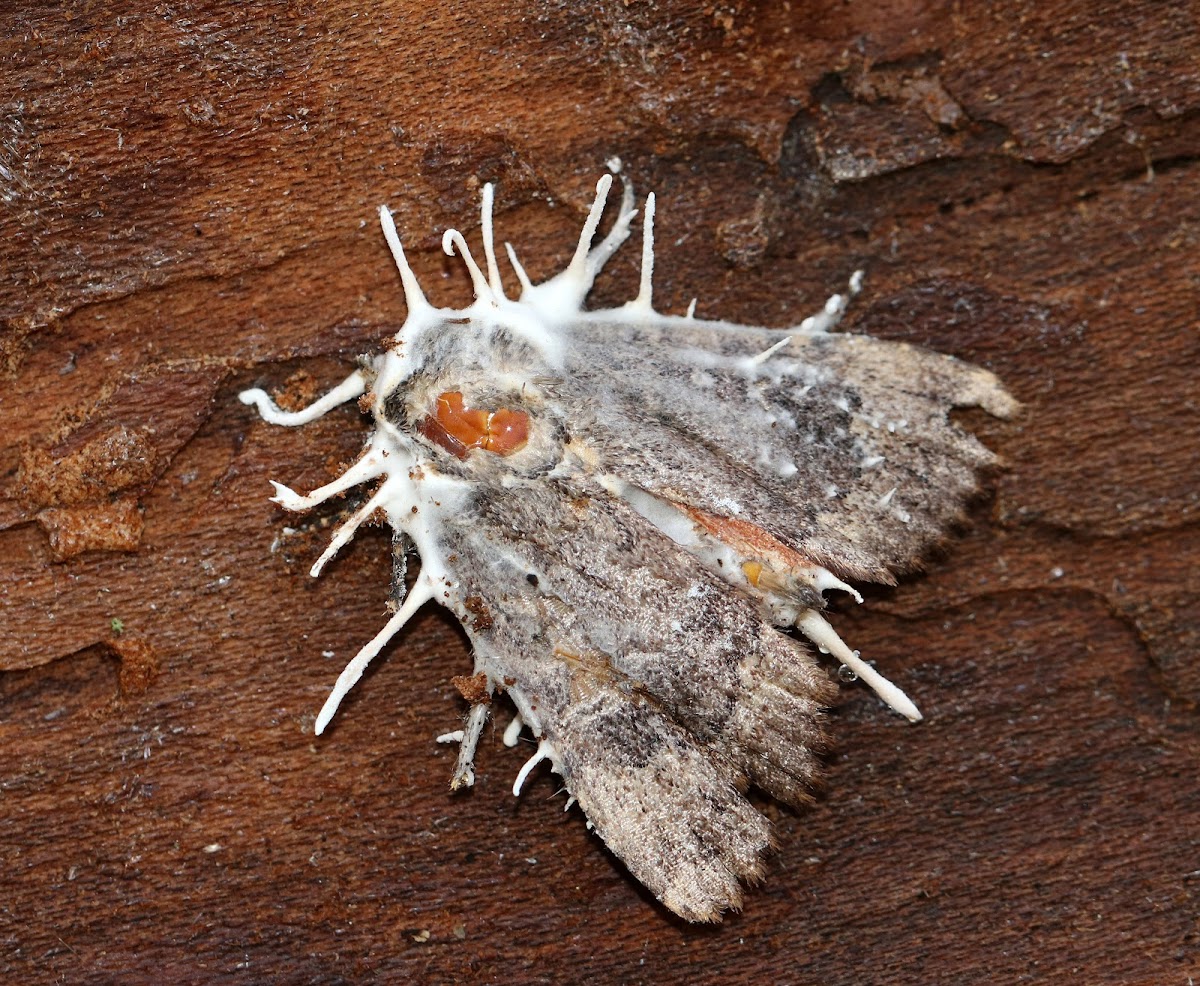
pixel 188 195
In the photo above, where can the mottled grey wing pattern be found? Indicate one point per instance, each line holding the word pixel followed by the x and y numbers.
pixel 660 715
pixel 617 505
pixel 838 445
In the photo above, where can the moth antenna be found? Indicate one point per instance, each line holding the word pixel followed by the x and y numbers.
pixel 366 468
pixel 526 284
pixel 347 530
pixel 452 240
pixel 544 752
pixel 464 767
pixel 619 233
pixel 645 293
pixel 420 594
pixel 349 389
pixel 817 629
pixel 414 297
pixel 489 246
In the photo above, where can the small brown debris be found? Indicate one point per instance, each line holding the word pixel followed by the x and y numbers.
pixel 475 689
pixel 139 664
pixel 481 616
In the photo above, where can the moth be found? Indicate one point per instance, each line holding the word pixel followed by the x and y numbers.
pixel 622 507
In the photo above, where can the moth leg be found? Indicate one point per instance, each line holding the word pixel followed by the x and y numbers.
pixel 467 739
pixel 353 387
pixel 817 629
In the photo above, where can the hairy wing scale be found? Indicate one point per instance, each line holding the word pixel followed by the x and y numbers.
pixel 831 406
pixel 610 678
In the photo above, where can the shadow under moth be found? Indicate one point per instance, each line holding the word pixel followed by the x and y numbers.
pixel 622 507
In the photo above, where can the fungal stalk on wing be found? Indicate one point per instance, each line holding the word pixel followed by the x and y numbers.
pixel 417 597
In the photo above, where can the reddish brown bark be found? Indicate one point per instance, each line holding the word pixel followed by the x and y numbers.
pixel 189 196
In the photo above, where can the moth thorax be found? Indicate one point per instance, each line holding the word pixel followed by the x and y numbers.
pixel 459 428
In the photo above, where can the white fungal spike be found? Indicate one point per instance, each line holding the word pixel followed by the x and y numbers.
pixel 834 309
pixel 512 732
pixel 349 389
pixel 766 354
pixel 489 245
pixel 414 297
pixel 645 295
pixel 578 267
pixel 822 580
pixel 420 594
pixel 566 290
pixel 367 468
pixel 544 752
pixel 817 629
pixel 452 240
pixel 526 284
pixel 347 530
pixel 619 233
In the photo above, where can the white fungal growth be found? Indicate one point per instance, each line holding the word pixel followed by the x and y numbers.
pixel 620 506
pixel 419 500
pixel 544 752
pixel 512 733
pixel 817 629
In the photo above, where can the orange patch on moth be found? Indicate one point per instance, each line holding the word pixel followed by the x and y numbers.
pixel 459 429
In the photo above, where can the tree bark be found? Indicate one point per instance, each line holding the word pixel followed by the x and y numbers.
pixel 189 197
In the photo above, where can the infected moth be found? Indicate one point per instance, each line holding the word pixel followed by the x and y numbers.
pixel 622 506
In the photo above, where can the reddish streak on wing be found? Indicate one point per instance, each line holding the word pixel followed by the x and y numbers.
pixel 749 541
pixel 459 429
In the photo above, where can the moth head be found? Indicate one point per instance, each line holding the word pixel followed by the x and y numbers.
pixel 468 390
